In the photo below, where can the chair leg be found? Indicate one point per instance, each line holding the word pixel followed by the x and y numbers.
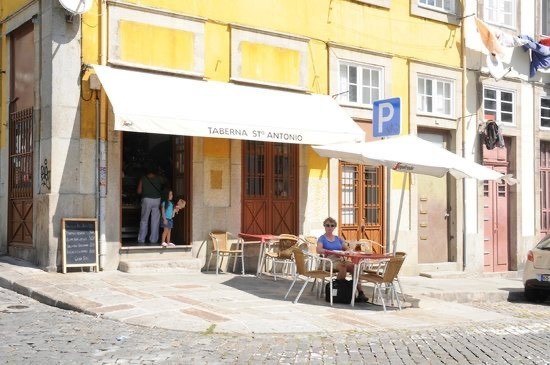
pixel 400 289
pixel 234 261
pixel 273 270
pixel 291 286
pixel 380 296
pixel 353 290
pixel 209 259
pixel 394 292
pixel 217 263
pixel 330 289
pixel 242 262
pixel 301 291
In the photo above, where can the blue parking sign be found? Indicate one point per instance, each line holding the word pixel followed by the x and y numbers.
pixel 386 117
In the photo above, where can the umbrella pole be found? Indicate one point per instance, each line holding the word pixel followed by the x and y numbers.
pixel 399 213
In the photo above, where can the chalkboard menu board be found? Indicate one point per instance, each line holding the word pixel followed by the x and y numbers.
pixel 79 243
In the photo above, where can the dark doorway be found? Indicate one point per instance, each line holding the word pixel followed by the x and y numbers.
pixel 171 155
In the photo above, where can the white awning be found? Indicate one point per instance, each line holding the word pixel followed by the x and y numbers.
pixel 154 103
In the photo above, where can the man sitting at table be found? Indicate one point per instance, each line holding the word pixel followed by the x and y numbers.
pixel 331 242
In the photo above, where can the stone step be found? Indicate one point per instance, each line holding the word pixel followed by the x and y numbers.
pixel 158 259
pixel 154 252
pixel 160 265
pixel 464 274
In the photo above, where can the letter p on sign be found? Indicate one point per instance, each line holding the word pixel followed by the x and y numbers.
pixel 386 117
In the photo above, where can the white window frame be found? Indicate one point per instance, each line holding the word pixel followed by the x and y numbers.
pixel 445 6
pixel 545 17
pixel 344 84
pixel 424 9
pixel 547 109
pixel 500 12
pixel 499 103
pixel 438 100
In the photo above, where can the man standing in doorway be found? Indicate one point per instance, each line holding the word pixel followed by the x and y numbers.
pixel 150 187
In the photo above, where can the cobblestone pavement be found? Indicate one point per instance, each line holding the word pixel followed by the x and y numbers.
pixel 33 333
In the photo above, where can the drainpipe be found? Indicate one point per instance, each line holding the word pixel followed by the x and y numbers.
pixel 101 150
pixel 463 51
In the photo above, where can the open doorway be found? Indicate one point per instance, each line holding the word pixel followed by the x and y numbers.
pixel 172 156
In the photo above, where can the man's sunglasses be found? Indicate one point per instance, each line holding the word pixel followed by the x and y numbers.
pixel 330 225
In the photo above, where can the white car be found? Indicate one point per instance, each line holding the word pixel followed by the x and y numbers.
pixel 536 275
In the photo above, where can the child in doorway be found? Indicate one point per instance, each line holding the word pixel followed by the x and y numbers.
pixel 168 211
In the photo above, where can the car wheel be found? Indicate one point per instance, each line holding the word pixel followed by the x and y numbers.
pixel 531 294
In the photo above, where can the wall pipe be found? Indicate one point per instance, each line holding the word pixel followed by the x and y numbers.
pixel 101 149
pixel 463 107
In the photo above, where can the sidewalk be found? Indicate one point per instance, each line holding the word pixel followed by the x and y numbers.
pixel 206 302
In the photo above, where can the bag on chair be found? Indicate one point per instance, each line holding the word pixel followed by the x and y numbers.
pixel 342 291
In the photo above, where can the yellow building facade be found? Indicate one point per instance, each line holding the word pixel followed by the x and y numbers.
pixel 350 52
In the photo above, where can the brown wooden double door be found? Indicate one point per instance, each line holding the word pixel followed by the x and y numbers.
pixel 270 188
pixel 21 124
pixel 361 202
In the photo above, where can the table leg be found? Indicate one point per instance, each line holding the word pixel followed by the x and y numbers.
pixel 260 256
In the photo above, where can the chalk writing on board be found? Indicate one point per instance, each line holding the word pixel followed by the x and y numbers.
pixel 80 242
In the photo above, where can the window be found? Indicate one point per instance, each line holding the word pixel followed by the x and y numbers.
pixel 500 12
pixel 545 112
pixel 360 84
pixel 447 6
pixel 545 17
pixel 435 96
pixel 499 104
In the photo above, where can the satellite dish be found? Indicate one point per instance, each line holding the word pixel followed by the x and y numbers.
pixel 76 6
pixel 496 68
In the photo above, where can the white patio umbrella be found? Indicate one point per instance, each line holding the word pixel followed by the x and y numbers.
pixel 413 155
pixel 410 154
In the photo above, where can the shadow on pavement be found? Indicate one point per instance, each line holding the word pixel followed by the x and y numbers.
pixel 268 288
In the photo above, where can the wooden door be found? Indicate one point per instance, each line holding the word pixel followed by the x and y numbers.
pixel 433 211
pixel 361 202
pixel 495 212
pixel 181 186
pixel 270 188
pixel 21 124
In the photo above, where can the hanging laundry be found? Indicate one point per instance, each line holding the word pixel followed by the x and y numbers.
pixel 495 39
pixel 488 37
pixel 508 40
pixel 540 54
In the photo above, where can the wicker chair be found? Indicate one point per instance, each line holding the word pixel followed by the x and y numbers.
pixel 309 244
pixel 384 280
pixel 371 246
pixel 301 260
pixel 280 254
pixel 222 246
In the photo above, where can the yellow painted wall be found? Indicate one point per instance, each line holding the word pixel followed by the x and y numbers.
pixel 216 147
pixel 9 7
pixel 271 64
pixel 217 58
pixel 342 21
pixel 159 46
